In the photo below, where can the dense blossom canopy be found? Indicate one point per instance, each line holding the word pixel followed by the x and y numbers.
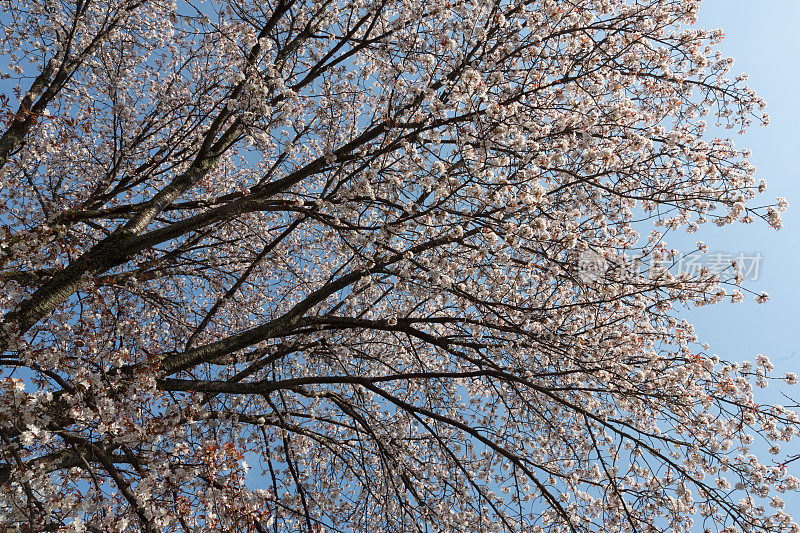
pixel 318 265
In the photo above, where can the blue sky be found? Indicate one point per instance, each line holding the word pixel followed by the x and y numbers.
pixel 762 37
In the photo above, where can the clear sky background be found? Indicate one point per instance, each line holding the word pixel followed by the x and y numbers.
pixel 764 39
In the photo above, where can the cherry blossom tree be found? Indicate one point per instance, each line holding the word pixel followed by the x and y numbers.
pixel 321 265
